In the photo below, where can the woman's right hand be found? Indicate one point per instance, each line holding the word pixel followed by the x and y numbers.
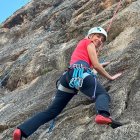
pixel 105 64
pixel 116 76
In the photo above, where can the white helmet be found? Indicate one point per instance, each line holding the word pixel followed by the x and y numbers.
pixel 98 30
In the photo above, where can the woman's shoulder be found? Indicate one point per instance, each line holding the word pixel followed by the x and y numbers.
pixel 85 40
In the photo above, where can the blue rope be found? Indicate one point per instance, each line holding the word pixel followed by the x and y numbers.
pixel 52 126
pixel 52 122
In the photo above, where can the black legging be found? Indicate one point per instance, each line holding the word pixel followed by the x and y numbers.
pixel 61 100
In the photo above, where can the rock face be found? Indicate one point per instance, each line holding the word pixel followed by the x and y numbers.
pixel 35 47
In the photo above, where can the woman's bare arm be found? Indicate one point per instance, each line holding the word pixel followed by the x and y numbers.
pixel 97 66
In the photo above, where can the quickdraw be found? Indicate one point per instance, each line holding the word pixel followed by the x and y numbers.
pixel 79 75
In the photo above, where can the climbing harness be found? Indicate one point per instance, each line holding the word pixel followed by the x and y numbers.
pixel 78 76
pixel 62 88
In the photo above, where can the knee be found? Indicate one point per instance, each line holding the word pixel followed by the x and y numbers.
pixel 104 95
pixel 52 112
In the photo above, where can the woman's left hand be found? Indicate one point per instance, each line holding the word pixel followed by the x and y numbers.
pixel 116 76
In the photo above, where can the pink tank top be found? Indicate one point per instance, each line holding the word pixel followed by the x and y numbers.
pixel 81 53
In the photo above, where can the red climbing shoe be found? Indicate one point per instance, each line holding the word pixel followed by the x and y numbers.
pixel 102 120
pixel 99 119
pixel 17 134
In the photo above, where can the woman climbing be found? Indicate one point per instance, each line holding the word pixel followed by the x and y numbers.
pixel 78 77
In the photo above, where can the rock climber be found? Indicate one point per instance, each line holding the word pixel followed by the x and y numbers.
pixel 78 77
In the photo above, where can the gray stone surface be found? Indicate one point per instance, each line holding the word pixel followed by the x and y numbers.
pixel 36 43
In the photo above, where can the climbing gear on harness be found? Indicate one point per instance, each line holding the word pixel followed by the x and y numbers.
pixel 17 134
pixel 79 73
pixel 98 30
pixel 77 77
